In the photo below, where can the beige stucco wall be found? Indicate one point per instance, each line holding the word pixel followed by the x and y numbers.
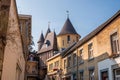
pixel 13 56
pixel 103 39
pixel 73 38
pixel 53 60
pixel 101 49
pixel 88 63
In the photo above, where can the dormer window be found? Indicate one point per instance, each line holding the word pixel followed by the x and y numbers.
pixel 47 43
pixel 68 39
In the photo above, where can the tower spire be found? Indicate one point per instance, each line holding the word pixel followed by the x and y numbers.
pixel 48 30
pixel 40 41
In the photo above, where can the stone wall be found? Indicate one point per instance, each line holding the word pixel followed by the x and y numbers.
pixel 14 62
pixel 4 14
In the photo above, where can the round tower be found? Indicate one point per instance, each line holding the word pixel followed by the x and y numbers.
pixel 67 35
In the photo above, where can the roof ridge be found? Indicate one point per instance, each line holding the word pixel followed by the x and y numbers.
pixel 95 31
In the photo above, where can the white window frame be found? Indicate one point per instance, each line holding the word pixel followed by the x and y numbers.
pixel 81 55
pixel 115 38
pixel 90 51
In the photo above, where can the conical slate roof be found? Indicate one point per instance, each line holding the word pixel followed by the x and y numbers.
pixel 41 38
pixel 55 42
pixel 68 28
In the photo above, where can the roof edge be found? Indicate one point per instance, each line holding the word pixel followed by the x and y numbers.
pixel 95 31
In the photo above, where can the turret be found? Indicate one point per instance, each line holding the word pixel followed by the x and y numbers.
pixel 55 42
pixel 41 41
pixel 67 35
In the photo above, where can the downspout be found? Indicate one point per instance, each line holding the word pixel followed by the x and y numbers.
pixel 77 64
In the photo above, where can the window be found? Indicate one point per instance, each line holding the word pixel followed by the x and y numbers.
pixel 51 66
pixel 47 42
pixel 63 42
pixel 117 74
pixel 81 76
pixel 69 61
pixel 115 43
pixel 68 39
pixel 74 59
pixel 81 56
pixel 90 51
pixel 56 64
pixel 104 75
pixel 74 76
pixel 65 63
pixel 77 39
pixel 91 74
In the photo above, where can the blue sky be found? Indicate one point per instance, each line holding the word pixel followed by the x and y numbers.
pixel 85 15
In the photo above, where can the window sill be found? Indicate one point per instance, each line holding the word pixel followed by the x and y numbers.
pixel 90 59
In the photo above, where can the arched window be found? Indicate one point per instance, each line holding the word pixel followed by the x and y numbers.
pixel 68 38
pixel 63 42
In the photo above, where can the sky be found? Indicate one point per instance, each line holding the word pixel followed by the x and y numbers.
pixel 85 15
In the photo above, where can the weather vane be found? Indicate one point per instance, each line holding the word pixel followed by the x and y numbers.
pixel 67 14
pixel 49 24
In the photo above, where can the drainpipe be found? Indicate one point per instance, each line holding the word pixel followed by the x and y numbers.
pixel 77 64
pixel 61 67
